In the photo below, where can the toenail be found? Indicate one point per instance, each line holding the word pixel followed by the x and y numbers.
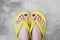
pixel 25 15
pixel 33 15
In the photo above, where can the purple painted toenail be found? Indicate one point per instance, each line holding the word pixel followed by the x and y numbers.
pixel 25 14
pixel 33 15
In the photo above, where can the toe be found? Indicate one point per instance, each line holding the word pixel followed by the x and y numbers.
pixel 26 17
pixel 42 23
pixel 16 21
pixel 33 17
pixel 21 17
pixel 37 17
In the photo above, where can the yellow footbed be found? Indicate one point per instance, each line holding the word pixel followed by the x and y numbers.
pixel 39 25
pixel 21 23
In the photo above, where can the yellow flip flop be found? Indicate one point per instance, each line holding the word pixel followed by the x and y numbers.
pixel 21 23
pixel 39 25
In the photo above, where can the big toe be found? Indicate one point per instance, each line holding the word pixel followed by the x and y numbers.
pixel 26 17
pixel 33 16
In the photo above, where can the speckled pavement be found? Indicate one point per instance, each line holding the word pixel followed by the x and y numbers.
pixel 10 8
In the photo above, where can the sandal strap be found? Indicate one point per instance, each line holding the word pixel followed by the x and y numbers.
pixel 20 26
pixel 21 23
pixel 43 30
pixel 39 25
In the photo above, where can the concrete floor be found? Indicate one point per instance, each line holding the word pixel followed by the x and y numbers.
pixel 10 8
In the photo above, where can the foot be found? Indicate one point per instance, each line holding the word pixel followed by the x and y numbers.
pixel 23 33
pixel 36 33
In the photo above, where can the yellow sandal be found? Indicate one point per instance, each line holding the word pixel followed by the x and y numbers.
pixel 21 23
pixel 39 25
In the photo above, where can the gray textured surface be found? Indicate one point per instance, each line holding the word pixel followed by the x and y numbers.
pixel 10 8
